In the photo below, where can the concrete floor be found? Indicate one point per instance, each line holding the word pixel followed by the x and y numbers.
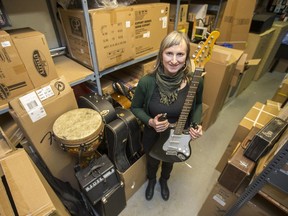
pixel 189 186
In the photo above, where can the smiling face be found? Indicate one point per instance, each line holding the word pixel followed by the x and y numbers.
pixel 174 58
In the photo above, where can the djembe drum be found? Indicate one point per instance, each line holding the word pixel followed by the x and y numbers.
pixel 79 132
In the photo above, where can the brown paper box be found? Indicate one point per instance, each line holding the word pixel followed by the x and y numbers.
pixel 36 123
pixel 31 192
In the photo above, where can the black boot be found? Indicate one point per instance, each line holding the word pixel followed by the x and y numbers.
pixel 164 189
pixel 150 189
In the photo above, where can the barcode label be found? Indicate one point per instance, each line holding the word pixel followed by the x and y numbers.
pixel 33 106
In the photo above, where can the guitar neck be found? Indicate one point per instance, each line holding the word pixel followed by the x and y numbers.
pixel 189 101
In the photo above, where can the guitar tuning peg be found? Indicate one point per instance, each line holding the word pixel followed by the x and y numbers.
pixel 193 56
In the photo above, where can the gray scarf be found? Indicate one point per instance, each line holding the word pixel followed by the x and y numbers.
pixel 168 86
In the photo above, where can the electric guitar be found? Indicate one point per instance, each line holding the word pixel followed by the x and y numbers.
pixel 173 144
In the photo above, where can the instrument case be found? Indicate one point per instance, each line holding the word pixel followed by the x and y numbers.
pixel 102 104
pixel 134 146
pixel 116 135
pixel 265 139
pixel 236 170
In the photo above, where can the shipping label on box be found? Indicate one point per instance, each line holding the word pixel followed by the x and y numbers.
pixel 151 26
pixel 14 79
pixel 34 52
pixel 35 113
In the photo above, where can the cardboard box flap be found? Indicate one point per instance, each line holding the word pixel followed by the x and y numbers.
pixel 218 55
pixel 26 188
pixel 235 53
pixel 240 66
pixel 253 62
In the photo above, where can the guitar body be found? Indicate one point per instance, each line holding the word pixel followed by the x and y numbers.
pixel 171 147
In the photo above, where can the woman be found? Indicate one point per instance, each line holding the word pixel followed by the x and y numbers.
pixel 164 91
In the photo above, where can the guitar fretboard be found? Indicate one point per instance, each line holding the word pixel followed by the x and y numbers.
pixel 189 101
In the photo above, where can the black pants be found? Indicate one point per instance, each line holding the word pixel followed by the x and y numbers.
pixel 150 136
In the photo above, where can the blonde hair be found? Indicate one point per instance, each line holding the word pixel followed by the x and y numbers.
pixel 172 39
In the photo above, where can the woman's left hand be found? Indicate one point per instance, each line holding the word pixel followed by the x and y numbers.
pixel 196 132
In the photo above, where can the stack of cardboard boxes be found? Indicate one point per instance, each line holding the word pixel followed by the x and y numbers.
pixel 26 62
pixel 120 34
pixel 236 170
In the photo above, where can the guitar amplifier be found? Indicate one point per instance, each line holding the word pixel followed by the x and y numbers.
pixel 113 202
pixel 98 178
pixel 264 140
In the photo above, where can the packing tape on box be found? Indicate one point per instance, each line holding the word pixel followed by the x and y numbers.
pixel 255 122
pixel 282 94
pixel 274 104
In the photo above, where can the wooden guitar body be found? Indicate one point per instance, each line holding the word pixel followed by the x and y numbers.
pixel 176 148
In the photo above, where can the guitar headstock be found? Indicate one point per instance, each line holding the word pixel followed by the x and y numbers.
pixel 204 50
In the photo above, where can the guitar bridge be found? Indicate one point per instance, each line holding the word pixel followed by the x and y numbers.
pixel 171 152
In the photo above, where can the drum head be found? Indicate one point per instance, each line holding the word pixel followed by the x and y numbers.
pixel 78 126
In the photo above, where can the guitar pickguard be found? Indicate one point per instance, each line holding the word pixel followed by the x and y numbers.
pixel 177 144
pixel 171 147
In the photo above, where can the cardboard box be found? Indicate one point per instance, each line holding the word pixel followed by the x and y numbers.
pixel 257 44
pixel 205 109
pixel 182 27
pixel 281 29
pixel 182 13
pixel 35 54
pixel 5 144
pixel 11 129
pixel 151 26
pixel 258 116
pixel 142 68
pixel 5 205
pixel 219 73
pixel 14 78
pixel 246 78
pixel 134 177
pixel 243 75
pixel 220 200
pixel 113 32
pixel 235 22
pixel 31 192
pixel 281 93
pixel 35 113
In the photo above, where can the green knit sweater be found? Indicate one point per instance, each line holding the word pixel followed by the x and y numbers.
pixel 143 94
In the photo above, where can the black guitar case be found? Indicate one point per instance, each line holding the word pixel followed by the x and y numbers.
pixel 116 135
pixel 134 133
pixel 102 104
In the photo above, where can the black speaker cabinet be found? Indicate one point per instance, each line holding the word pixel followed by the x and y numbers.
pixel 113 202
pixel 98 178
pixel 261 22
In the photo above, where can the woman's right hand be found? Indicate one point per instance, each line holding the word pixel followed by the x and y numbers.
pixel 158 125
